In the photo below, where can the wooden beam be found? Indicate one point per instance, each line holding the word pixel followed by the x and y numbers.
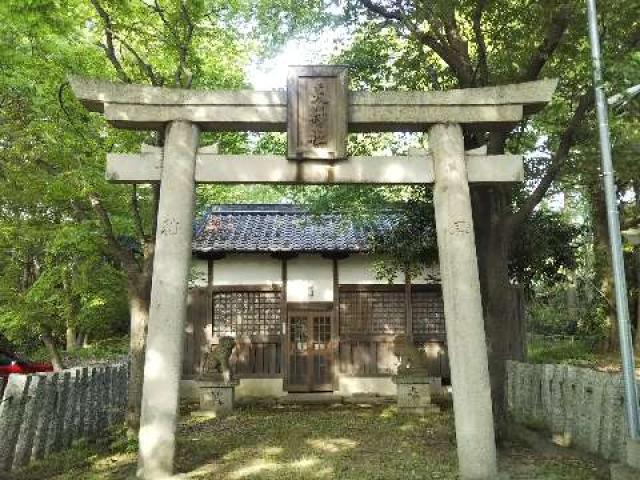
pixel 210 274
pixel 284 332
pixel 247 288
pixel 408 306
pixel 416 168
pixel 335 325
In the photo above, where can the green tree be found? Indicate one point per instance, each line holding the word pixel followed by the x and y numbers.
pixel 52 151
pixel 436 45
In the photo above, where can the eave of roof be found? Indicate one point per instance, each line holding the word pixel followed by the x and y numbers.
pixel 277 229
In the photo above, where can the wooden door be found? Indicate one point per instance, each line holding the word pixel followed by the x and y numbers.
pixel 310 352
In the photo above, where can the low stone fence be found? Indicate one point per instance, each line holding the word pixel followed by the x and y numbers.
pixel 45 413
pixel 580 406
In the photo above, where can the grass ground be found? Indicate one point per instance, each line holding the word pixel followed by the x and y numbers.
pixel 576 352
pixel 342 442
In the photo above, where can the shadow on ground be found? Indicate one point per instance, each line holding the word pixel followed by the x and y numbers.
pixel 310 442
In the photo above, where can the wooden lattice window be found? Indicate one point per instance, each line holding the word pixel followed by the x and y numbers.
pixel 373 312
pixel 428 313
pixel 247 313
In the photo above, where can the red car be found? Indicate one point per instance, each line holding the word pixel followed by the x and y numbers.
pixel 10 363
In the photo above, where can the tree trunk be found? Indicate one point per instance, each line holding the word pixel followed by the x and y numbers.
pixel 54 353
pixel 501 302
pixel 81 339
pixel 603 265
pixel 71 338
pixel 139 313
pixel 6 346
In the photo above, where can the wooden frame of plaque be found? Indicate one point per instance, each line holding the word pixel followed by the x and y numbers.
pixel 317 100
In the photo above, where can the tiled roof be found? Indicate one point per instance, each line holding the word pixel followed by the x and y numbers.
pixel 278 228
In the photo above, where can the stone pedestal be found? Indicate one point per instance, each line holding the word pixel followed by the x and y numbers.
pixel 414 394
pixel 216 398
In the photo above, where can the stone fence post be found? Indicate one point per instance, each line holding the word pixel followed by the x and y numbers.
pixel 45 413
pixel 578 406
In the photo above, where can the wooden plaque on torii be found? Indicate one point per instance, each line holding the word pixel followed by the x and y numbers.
pixel 317 101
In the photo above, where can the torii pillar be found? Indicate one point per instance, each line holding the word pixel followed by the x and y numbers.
pixel 321 110
pixel 466 342
pixel 168 308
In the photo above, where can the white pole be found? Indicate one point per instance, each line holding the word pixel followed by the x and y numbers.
pixel 620 282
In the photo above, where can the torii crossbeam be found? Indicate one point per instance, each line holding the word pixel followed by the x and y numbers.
pixel 183 114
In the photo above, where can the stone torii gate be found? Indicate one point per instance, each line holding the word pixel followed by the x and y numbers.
pixel 317 111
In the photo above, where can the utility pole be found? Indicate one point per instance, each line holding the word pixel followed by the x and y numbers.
pixel 622 306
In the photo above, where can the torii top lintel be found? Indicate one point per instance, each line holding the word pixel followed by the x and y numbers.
pixel 140 107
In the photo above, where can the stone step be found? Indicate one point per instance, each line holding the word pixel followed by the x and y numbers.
pixel 359 399
pixel 311 399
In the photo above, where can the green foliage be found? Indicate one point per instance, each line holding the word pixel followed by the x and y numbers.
pixel 77 285
pixel 545 249
pixel 64 231
pixel 109 349
pixel 411 244
pixel 576 351
pixel 549 313
pixel 57 264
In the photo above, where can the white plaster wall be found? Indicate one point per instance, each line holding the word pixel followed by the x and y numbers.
pixel 259 388
pixel 310 279
pixel 199 273
pixel 304 271
pixel 428 275
pixel 247 269
pixel 358 269
pixel 371 385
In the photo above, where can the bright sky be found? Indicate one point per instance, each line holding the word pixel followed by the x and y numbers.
pixel 272 73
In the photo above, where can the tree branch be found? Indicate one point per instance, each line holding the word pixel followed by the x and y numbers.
pixel 567 141
pixel 450 47
pixel 108 46
pixel 124 255
pixel 557 28
pixel 482 67
pixel 452 57
pixel 160 11
pixel 145 67
pixel 380 10
pixel 184 49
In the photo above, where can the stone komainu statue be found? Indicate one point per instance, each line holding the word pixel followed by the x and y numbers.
pixel 411 358
pixel 216 361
